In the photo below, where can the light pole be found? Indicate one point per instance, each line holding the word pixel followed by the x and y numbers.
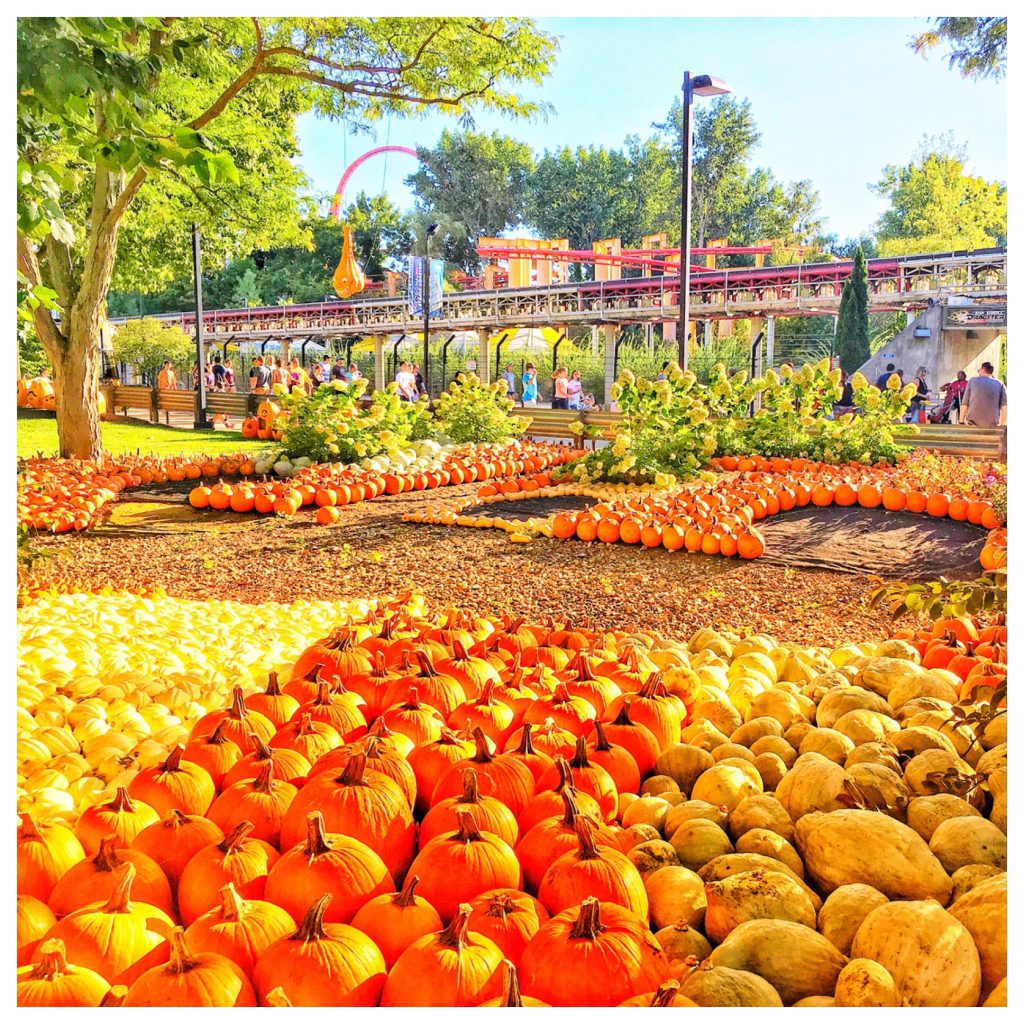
pixel 431 231
pixel 200 419
pixel 695 85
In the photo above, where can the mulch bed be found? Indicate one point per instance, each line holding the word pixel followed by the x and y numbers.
pixel 791 592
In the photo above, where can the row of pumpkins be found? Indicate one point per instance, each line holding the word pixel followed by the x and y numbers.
pixel 38 393
pixel 429 808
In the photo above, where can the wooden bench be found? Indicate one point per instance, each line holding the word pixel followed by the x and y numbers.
pixel 176 401
pixel 231 404
pixel 126 397
pixel 550 423
pixel 953 439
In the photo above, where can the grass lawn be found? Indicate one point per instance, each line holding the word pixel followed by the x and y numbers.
pixel 39 434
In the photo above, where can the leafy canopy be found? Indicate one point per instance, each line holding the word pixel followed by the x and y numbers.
pixel 148 343
pixel 977 46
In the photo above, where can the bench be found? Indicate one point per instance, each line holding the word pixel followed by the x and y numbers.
pixel 550 423
pixel 231 404
pixel 126 397
pixel 176 401
pixel 953 439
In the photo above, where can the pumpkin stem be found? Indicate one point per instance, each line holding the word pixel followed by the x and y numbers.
pixel 273 686
pixel 173 762
pixel 460 652
pixel 588 923
pixel 323 694
pixel 314 673
pixel 181 961
pixel 412 702
pixel 177 818
pixel 312 927
pixel 122 802
pixel 584 672
pixel 564 775
pixel 277 997
pixel 217 737
pixel 120 901
pixel 407 897
pixel 486 694
pixel 116 996
pixel 261 748
pixel 654 687
pixel 585 836
pixel 603 743
pixel 426 665
pixel 470 787
pixel 52 960
pixel 264 782
pixel 511 996
pixel 106 858
pixel 305 725
pixel 571 810
pixel 580 759
pixel 666 993
pixel 482 755
pixel 236 837
pixel 500 905
pixel 468 832
pixel 526 743
pixel 562 695
pixel 380 665
pixel 623 716
pixel 352 774
pixel 454 936
pixel 29 829
pixel 316 837
pixel 237 710
pixel 232 906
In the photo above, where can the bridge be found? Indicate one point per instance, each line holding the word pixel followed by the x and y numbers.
pixel 908 283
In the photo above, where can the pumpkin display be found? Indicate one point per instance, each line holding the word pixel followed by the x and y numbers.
pixel 52 981
pixel 45 854
pixel 174 784
pixel 122 817
pixel 396 920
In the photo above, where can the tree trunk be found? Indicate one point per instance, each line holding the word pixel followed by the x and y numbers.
pixel 76 387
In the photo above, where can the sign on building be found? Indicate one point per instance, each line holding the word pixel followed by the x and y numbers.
pixel 963 318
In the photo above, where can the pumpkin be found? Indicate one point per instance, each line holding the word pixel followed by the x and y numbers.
pixel 616 760
pixel 490 814
pixel 310 739
pixel 983 912
pixel 322 964
pixel 395 920
pixel 172 841
pixel 121 816
pixel 289 764
pixel 239 929
pixel 712 985
pixel 118 939
pixel 437 689
pixel 238 721
pixel 337 708
pixel 175 783
pixel 511 996
pixel 45 854
pixel 429 761
pixel 348 279
pixel 668 994
pixel 526 753
pixel 452 967
pixel 52 981
pixel 337 864
pixel 494 717
pixel 929 953
pixel 263 801
pixel 749 895
pixel 455 867
pixel 864 983
pixel 509 918
pixel 336 657
pixel 420 722
pixel 592 870
pixel 275 705
pixel 676 896
pixel 548 803
pixel 363 804
pixel 191 979
pixel 499 775
pixel 679 942
pixel 35 919
pixel 794 959
pixel 587 778
pixel 93 880
pixel 239 859
pixel 643 725
pixel 592 955
pixel 216 753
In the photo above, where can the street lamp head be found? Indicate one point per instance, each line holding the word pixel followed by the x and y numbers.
pixel 709 85
pixel 432 230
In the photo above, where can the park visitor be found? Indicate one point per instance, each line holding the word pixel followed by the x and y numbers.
pixel 338 369
pixel 229 375
pixel 418 378
pixel 560 399
pixel 883 378
pixel 278 374
pixel 406 383
pixel 259 377
pixel 954 396
pixel 664 371
pixel 167 379
pixel 914 415
pixel 845 403
pixel 574 390
pixel 218 374
pixel 298 378
pixel 208 378
pixel 316 375
pixel 352 374
pixel 510 382
pixel 530 385
pixel 984 401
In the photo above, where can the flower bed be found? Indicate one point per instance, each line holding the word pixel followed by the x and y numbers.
pixel 453 809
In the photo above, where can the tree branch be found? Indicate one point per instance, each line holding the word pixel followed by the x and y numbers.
pixel 50 335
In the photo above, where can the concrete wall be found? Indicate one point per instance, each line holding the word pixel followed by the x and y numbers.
pixel 943 353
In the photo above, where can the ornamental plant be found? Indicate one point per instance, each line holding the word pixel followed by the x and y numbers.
pixel 472 412
pixel 872 435
pixel 333 425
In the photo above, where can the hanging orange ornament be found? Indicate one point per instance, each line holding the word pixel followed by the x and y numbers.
pixel 348 279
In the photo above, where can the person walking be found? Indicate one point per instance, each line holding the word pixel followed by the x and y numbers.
pixel 574 390
pixel 229 375
pixel 984 401
pixel 167 379
pixel 218 374
pixel 338 369
pixel 406 383
pixel 917 402
pixel 278 374
pixel 530 385
pixel 418 379
pixel 259 376
pixel 560 398
pixel 352 374
pixel 510 382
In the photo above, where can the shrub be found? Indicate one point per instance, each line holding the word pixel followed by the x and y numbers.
pixel 471 412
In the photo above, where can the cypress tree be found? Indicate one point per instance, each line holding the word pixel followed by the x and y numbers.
pixel 852 332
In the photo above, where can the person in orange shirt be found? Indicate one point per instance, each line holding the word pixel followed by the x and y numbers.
pixel 167 379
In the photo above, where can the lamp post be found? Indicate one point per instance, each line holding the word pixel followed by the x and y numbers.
pixel 431 231
pixel 693 85
pixel 200 418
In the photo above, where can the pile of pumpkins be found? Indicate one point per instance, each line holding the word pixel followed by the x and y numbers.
pixel 38 393
pixel 442 808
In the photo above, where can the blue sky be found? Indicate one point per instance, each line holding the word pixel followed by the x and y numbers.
pixel 835 100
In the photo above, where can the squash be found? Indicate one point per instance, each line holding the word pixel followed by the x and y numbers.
pixel 712 985
pixel 770 844
pixel 958 842
pixel 865 983
pixel 983 912
pixel 676 896
pixel 752 895
pixel 844 912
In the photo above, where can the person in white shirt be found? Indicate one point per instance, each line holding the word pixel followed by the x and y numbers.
pixel 406 382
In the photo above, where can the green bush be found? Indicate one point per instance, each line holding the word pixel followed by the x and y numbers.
pixel 471 412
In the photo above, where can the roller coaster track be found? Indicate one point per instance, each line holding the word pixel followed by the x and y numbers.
pixel 806 289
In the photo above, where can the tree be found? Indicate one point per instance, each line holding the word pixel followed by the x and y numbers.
pixel 935 207
pixel 148 343
pixel 853 336
pixel 110 107
pixel 977 46
pixel 477 180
